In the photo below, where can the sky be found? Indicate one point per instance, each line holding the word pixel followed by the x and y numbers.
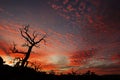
pixel 81 34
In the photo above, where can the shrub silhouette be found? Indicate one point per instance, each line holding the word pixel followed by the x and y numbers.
pixel 1 61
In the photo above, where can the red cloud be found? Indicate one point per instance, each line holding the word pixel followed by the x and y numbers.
pixel 4 46
pixel 116 57
pixel 81 57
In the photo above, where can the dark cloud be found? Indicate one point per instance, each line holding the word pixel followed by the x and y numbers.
pixel 98 20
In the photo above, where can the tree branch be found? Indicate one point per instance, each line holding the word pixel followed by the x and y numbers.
pixel 15 50
pixel 34 35
pixel 24 36
pixel 40 39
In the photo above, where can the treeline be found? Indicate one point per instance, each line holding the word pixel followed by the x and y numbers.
pixel 26 73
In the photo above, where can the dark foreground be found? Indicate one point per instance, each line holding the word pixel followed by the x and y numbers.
pixel 18 73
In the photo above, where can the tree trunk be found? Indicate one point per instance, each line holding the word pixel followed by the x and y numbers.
pixel 26 56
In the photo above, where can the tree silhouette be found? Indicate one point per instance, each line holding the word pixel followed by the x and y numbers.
pixel 32 40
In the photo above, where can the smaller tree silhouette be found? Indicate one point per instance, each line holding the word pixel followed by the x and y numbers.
pixel 52 72
pixel 73 72
pixel 32 40
pixel 35 66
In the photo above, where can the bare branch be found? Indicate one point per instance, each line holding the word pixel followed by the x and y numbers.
pixel 37 46
pixel 40 39
pixel 25 37
pixel 26 28
pixel 26 45
pixel 28 36
pixel 15 50
pixel 34 35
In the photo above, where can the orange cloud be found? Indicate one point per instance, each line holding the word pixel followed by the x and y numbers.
pixel 49 67
pixel 4 46
pixel 1 27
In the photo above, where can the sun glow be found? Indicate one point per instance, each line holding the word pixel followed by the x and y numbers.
pixel 59 59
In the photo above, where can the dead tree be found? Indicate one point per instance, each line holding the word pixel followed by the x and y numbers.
pixel 32 40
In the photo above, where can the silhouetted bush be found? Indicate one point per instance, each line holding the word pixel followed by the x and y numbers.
pixel 27 73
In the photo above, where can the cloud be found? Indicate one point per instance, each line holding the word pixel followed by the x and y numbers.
pixel 59 60
pixel 92 18
pixel 49 67
pixel 4 46
pixel 78 26
pixel 1 27
pixel 116 57
pixel 82 57
pixel 10 27
pixel 90 14
pixel 63 40
pixel 99 66
pixel 4 51
pixel 1 10
pixel 95 58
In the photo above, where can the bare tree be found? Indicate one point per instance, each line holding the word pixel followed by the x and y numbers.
pixel 32 40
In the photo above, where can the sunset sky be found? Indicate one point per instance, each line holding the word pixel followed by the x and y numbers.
pixel 81 34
